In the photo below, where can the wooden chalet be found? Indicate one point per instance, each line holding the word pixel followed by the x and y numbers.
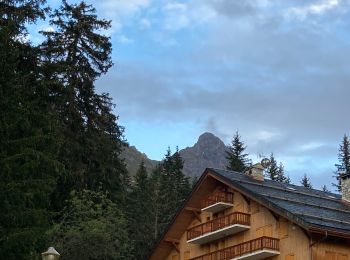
pixel 235 216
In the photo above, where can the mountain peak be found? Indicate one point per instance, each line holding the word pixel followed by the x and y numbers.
pixel 209 151
pixel 208 138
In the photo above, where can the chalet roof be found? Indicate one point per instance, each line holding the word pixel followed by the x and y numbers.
pixel 310 208
pixel 314 210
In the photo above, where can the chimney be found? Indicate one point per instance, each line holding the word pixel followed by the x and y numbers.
pixel 345 186
pixel 257 172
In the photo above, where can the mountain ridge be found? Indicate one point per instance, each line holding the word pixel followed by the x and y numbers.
pixel 208 151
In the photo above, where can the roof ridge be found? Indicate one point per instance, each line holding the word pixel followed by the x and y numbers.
pixel 322 218
pixel 304 203
pixel 292 191
pixel 327 193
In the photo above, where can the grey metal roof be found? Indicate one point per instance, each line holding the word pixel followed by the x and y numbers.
pixel 310 207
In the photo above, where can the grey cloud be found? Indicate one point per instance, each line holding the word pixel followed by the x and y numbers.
pixel 266 74
pixel 232 8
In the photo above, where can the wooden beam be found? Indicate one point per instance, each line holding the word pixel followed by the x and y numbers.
pixel 246 199
pixel 277 217
pixel 193 209
pixel 196 212
pixel 174 242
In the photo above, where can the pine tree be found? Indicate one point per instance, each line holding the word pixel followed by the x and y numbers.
pixel 237 159
pixel 170 188
pixel 273 170
pixel 281 175
pixel 76 54
pixel 305 181
pixel 140 214
pixel 288 180
pixel 28 144
pixel 344 160
pixel 325 189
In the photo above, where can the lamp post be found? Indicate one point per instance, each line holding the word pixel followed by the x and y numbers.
pixel 50 254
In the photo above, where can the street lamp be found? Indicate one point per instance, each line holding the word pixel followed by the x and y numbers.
pixel 50 254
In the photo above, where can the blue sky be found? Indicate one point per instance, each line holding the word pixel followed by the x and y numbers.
pixel 276 71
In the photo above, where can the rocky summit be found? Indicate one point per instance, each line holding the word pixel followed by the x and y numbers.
pixel 208 151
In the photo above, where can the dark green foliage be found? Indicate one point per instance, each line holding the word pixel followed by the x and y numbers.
pixel 75 55
pixel 276 172
pixel 92 228
pixel 140 214
pixel 28 157
pixel 237 159
pixel 194 181
pixel 273 170
pixel 344 160
pixel 170 187
pixel 56 133
pixel 305 181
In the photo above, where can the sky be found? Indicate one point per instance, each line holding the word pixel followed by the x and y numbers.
pixel 277 71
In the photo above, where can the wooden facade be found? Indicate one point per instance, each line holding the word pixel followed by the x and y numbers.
pixel 240 228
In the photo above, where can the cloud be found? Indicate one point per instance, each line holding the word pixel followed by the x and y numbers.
pixel 317 8
pixel 121 11
pixel 283 83
pixel 233 8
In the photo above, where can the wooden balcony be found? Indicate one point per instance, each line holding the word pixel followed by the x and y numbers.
pixel 218 202
pixel 218 228
pixel 259 248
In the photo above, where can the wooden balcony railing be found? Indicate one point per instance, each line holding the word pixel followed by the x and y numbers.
pixel 242 249
pixel 217 224
pixel 226 197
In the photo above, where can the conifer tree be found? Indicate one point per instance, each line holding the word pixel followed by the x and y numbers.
pixel 28 145
pixel 344 160
pixel 288 180
pixel 140 214
pixel 305 181
pixel 273 170
pixel 76 54
pixel 281 175
pixel 170 188
pixel 325 189
pixel 237 159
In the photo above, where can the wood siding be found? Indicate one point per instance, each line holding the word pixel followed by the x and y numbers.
pixel 294 244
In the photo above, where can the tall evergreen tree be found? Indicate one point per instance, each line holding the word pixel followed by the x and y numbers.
pixel 305 181
pixel 344 160
pixel 28 144
pixel 237 159
pixel 76 54
pixel 140 214
pixel 170 188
